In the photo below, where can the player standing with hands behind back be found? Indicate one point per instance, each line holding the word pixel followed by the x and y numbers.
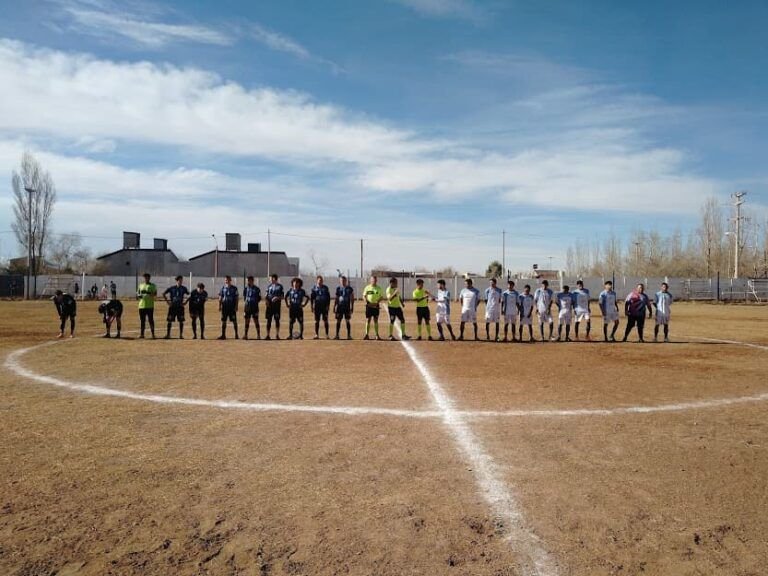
pixel 178 298
pixel 146 295
pixel 228 300
pixel 320 299
pixel 343 306
pixel 275 295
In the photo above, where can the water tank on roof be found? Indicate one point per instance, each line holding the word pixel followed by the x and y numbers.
pixel 233 242
pixel 131 240
pixel 254 247
pixel 161 244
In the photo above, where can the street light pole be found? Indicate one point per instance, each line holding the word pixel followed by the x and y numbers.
pixel 30 191
pixel 215 259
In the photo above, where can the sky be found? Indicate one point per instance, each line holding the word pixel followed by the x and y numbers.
pixel 424 127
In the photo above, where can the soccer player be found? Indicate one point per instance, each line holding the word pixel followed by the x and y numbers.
pixel 343 306
pixel 176 296
pixel 443 310
pixel 372 295
pixel 492 309
pixel 197 300
pixel 228 302
pixel 296 298
pixel 146 295
pixel 251 299
pixel 565 302
pixel 422 296
pixel 470 300
pixel 635 307
pixel 395 307
pixel 526 304
pixel 583 312
pixel 609 308
pixel 112 310
pixel 275 295
pixel 320 299
pixel 509 303
pixel 66 308
pixel 663 303
pixel 543 299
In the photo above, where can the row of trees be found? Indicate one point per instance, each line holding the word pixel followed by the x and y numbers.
pixel 702 252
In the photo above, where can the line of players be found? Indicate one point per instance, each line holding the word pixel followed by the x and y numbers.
pixel 515 308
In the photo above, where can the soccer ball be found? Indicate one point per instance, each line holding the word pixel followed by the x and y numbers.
pixel 296 335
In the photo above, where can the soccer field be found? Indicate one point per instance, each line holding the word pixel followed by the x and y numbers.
pixel 386 458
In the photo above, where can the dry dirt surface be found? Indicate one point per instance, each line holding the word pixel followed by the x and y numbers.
pixel 375 458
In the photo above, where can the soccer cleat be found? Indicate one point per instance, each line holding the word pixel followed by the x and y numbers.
pixel 419 338
pixel 167 337
pixel 268 337
pixel 71 336
pixel 61 335
pixel 316 337
pixel 106 336
pixel 666 340
pixel 655 338
pixel 613 338
pixel 366 337
pixel 378 337
pixel 460 338
pixel 245 337
pixel 568 339
pixel 141 337
pixel 181 337
pixel 222 337
pixel 336 337
pixel 430 338
pixel 442 338
pixel 350 338
pixel 237 337
pixel 406 337
pixel 290 337
pixel 194 337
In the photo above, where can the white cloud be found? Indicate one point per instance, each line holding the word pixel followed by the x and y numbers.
pixel 596 163
pixel 282 43
pixel 465 9
pixel 150 34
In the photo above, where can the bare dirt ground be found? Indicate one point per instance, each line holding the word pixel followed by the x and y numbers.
pixel 93 484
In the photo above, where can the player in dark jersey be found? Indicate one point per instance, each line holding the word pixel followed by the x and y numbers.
pixel 274 295
pixel 228 300
pixel 251 299
pixel 176 296
pixel 66 307
pixel 343 306
pixel 320 297
pixel 296 299
pixel 197 300
pixel 112 311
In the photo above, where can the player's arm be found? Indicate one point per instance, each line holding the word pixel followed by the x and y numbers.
pixel 601 304
pixel 306 300
pixel 351 301
pixel 165 295
pixel 650 308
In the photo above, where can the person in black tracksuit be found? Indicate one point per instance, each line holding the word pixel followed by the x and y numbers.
pixel 320 299
pixel 66 307
pixel 112 311
pixel 251 299
pixel 228 300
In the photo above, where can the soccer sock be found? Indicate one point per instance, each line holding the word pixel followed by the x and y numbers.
pixel 559 330
pixel 391 324
pixel 440 330
pixel 576 330
pixel 506 330
pixel 589 327
pixel 234 323
pixel 605 331
pixel 450 330
pixel 72 325
pixel 474 325
pixel 487 331
pixel 567 331
pixel 168 331
pixel 402 328
pixel 181 329
pixel 349 328
pixel 656 331
pixel 301 328
pixel 666 331
pixel 194 327
pixel 62 325
pixel 202 327
pixel 277 327
pixel 497 330
pixel 269 325
pixel 429 331
pixel 541 329
pixel 461 330
pixel 615 328
pixel 368 327
pixel 224 328
pixel 317 327
pixel 338 326
pixel 325 322
pixel 551 328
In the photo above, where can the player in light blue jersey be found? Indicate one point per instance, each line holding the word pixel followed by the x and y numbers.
pixel 492 309
pixel 583 312
pixel 543 300
pixel 663 303
pixel 609 308
pixel 526 304
pixel 509 308
pixel 565 302
pixel 443 309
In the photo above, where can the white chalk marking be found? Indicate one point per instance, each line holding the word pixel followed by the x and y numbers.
pixel 535 560
pixel 719 341
pixel 13 363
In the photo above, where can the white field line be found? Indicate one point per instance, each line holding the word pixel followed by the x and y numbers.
pixel 13 363
pixel 535 560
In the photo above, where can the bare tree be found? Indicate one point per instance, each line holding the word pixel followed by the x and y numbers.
pixel 63 252
pixel 320 263
pixel 34 195
pixel 711 233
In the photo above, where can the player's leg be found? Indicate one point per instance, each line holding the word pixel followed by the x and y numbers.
pixel 234 323
pixel 541 327
pixel 376 325
pixel 300 320
pixel 201 317
pixel 247 321
pixel 640 327
pixel 605 330
pixel 615 328
pixel 194 325
pixel 72 326
pixel 474 325
pixel 142 321
pixel 628 329
pixel 223 325
pixel 317 324
pixel 151 319
pixel 119 322
pixel 270 314
pixel 497 332
pixel 551 328
pixel 559 329
pixel 439 323
pixel 461 330
pixel 325 323
pixel 576 328
pixel 392 318
pixel 506 330
pixel 589 328
pixel 450 330
pixel 277 321
pixel 530 333
pixel 348 316
pixel 656 331
pixel 338 324
pixel 666 331
pixel 291 322
pixel 568 331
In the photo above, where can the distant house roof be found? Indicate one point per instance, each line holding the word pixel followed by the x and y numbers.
pixel 262 253
pixel 131 250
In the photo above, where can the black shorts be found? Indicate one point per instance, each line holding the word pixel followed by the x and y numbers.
pixel 343 312
pixel 371 311
pixel 228 313
pixel 422 313
pixel 176 312
pixel 251 311
pixel 296 313
pixel 273 310
pixel 321 312
pixel 396 314
pixel 196 312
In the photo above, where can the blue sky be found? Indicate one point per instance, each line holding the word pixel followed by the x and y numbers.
pixel 424 126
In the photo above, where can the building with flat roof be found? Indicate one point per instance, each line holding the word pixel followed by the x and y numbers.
pixel 159 260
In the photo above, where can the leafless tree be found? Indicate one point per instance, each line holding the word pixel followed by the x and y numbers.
pixel 63 252
pixel 32 208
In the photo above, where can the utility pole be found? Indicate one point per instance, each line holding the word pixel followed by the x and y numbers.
pixel 504 253
pixel 361 257
pixel 738 200
pixel 269 251
pixel 215 259
pixel 30 191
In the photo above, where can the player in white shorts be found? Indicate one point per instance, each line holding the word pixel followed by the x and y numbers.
pixel 470 300
pixel 609 308
pixel 565 302
pixel 543 299
pixel 443 309
pixel 526 305
pixel 509 309
pixel 663 303
pixel 492 309
pixel 583 312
